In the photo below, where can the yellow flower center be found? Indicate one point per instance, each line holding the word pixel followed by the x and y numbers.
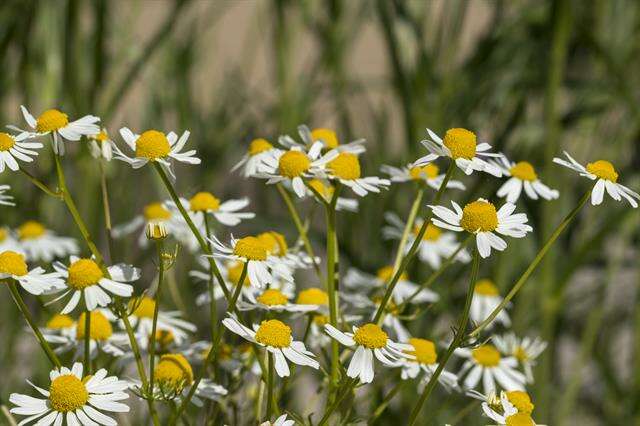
pixel 371 336
pixel 479 216
pixel 31 230
pixel 51 120
pixel 173 372
pixel 259 145
pixel 152 145
pixel 274 333
pixel 486 355
pixel 6 142
pixel 320 320
pixel 523 170
pixel 272 297
pixel 424 351
pixel 430 171
pixel 293 164
pixel 313 296
pixel 99 329
pixel 3 234
pixel 204 201
pixel 386 273
pixel 59 321
pixel 12 263
pixel 250 248
pixel 345 166
pixel 486 288
pixel 275 243
pixel 164 338
pixel 84 273
pixel 432 233
pixel 324 190
pixel 519 419
pixel 67 393
pixel 234 272
pixel 145 307
pixel 156 212
pixel 520 354
pixel 327 136
pixel 461 143
pixel 603 169
pixel 102 136
pixel 521 401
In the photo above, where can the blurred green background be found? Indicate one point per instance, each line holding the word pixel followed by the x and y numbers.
pixel 531 77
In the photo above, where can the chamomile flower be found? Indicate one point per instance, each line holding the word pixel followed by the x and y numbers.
pixel 404 288
pixel 6 199
pixel 326 137
pixel 231 271
pixel 485 363
pixel 425 361
pixel 525 350
pixel 369 340
pixel 142 319
pixel 606 178
pixel 276 337
pixel 59 324
pixel 326 191
pixel 486 297
pixel 513 408
pixel 73 397
pixel 253 160
pixel 43 245
pixel 522 176
pixel 345 168
pixel 57 123
pixel 481 218
pixel 278 249
pixel 85 278
pixel 227 213
pixel 155 146
pixel 14 148
pixel 280 421
pixel 436 245
pixel 101 145
pixel 429 174
pixel 460 145
pixel 272 299
pixel 35 281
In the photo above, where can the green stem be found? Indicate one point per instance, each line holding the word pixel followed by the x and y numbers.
pixel 213 308
pixel 156 309
pixel 332 248
pixel 336 403
pixel 415 208
pixel 87 339
pixel 40 184
pixel 106 208
pixel 457 340
pixel 386 401
pixel 270 386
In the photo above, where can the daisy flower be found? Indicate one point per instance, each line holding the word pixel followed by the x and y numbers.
pixel 14 148
pixel 345 168
pixel 404 288
pixel 280 421
pixel 426 360
pixel 153 145
pixel 101 145
pixel 481 218
pixel 606 178
pixel 461 146
pixel 274 300
pixel 522 175
pixel 486 297
pixel 525 350
pixel 485 363
pixel 279 250
pixel 429 174
pixel 327 137
pixel 275 336
pixel 511 409
pixel 85 278
pixel 142 319
pixel 6 199
pixel 253 161
pixel 369 340
pixel 436 245
pixel 43 245
pixel 227 213
pixel 55 122
pixel 35 281
pixel 326 192
pixel 73 397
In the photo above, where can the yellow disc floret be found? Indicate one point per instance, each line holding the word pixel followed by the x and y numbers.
pixel 274 333
pixel 234 272
pixel 51 120
pixel 479 216
pixel 3 234
pixel 424 351
pixel 313 296
pixel 486 355
pixel 164 338
pixel 429 171
pixel 84 273
pixel 12 263
pixel 145 307
pixel 386 273
pixel 31 230
pixel 173 372
pixel 6 142
pixel 461 143
pixel 523 170
pixel 101 137
pixel 326 191
pixel 327 136
pixel 272 297
pixel 486 288
pixel 152 145
pixel 204 201
pixel 603 169
pixel 345 166
pixel 156 212
pixel 320 320
pixel 275 243
pixel 59 321
pixel 432 233
pixel 293 164
pixel 519 419
pixel 521 354
pixel 99 329
pixel 371 336
pixel 250 248
pixel 521 401
pixel 67 393
pixel 258 145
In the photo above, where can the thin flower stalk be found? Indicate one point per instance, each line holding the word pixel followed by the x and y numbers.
pixel 87 340
pixel 415 208
pixel 332 252
pixel 41 185
pixel 213 307
pixel 270 385
pixel 156 309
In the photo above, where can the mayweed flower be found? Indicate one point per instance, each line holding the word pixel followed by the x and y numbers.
pixel 326 191
pixel 279 250
pixel 481 218
pixel 274 300
pixel 142 319
pixel 461 146
pixel 486 363
pixel 486 298
pixel 14 148
pixel 404 289
pixel 280 421
pixel 369 340
pixel 101 145
pixel 606 178
pixel 429 174
pixel 5 199
pixel 513 408
pixel 345 168
pixel 231 271
pixel 522 176
pixel 275 336
pixel 426 360
pixel 525 350
pixel 326 137
pixel 85 278
pixel 253 160
pixel 59 324
pixel 436 244
pixel 42 245
pixel 74 398
pixel 55 122
pixel 227 213
pixel 35 281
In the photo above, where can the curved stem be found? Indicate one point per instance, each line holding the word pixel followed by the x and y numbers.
pixel 42 186
pixel 415 208
pixel 156 309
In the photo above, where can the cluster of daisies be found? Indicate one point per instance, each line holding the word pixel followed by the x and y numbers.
pixel 103 308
